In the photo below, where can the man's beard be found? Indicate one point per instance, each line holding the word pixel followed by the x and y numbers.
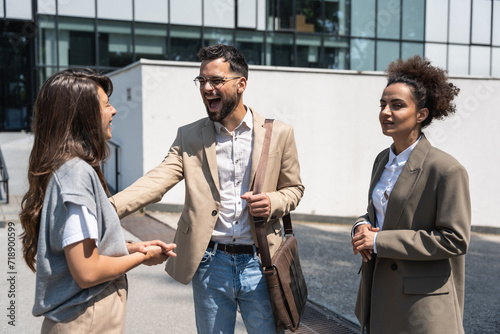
pixel 228 105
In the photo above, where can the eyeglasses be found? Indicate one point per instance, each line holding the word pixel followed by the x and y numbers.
pixel 215 82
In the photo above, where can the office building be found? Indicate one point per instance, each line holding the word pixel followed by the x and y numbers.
pixel 39 37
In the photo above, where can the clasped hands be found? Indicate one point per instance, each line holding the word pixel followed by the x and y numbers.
pixel 157 251
pixel 258 205
pixel 363 241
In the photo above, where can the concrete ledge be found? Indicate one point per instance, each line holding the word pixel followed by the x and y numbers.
pixel 485 229
pixel 164 207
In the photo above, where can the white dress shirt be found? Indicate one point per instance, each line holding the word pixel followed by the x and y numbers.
pixel 382 191
pixel 234 161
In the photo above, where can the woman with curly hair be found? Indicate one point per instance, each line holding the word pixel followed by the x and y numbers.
pixel 72 233
pixel 417 229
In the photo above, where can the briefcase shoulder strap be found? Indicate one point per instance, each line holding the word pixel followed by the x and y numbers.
pixel 257 189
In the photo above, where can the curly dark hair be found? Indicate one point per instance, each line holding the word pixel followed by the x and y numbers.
pixel 236 59
pixel 429 85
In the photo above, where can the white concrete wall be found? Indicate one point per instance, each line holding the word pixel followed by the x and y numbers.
pixel 335 117
pixel 127 128
pixel 16 9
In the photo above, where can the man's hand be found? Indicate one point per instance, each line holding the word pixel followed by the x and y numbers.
pixel 258 205
pixel 363 241
pixel 144 247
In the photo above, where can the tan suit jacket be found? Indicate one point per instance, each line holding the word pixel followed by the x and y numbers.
pixel 192 157
pixel 415 284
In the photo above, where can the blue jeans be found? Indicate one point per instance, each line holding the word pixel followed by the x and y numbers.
pixel 225 281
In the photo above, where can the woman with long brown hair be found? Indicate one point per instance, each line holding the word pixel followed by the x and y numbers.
pixel 72 235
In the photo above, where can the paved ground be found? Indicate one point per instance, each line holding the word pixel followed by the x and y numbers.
pixel 157 304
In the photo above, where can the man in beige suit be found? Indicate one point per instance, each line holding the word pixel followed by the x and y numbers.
pixel 217 157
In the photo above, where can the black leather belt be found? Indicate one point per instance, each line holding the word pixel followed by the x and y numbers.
pixel 233 249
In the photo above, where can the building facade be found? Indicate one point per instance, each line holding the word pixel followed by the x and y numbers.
pixel 40 37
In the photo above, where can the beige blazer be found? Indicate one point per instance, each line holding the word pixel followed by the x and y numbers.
pixel 192 157
pixel 415 284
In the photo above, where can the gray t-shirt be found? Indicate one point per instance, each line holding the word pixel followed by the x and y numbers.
pixel 57 295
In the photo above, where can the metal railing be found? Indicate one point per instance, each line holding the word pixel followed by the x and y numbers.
pixel 111 168
pixel 4 181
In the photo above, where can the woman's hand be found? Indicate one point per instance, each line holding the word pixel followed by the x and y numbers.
pixel 363 241
pixel 156 251
pixel 89 268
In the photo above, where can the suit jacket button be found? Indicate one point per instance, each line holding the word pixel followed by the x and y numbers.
pixel 214 213
pixel 394 266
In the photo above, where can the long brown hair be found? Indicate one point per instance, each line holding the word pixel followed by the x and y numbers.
pixel 66 124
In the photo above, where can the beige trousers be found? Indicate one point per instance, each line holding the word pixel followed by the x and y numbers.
pixel 105 315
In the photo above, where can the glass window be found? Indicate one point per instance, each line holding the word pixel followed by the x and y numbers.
pixel 413 20
pixel 185 12
pixel 362 18
pixel 261 14
pixel 410 49
pixel 247 14
pixel 458 60
pixel 251 44
pixel 279 51
pixel 480 61
pixel 308 50
pixel 436 53
pixel 495 64
pixel 496 24
pixel 44 73
pixel 459 22
pixel 76 42
pixel 388 18
pixel 436 21
pixel 481 22
pixel 47 43
pixel 76 8
pixel 217 36
pixel 115 43
pixel 387 52
pixel 336 50
pixel 110 9
pixel 219 13
pixel 150 41
pixel 185 43
pixel 362 55
pixel 2 14
pixel 309 17
pixel 15 74
pixel 14 99
pixel 284 15
pixel 144 12
pixel 342 14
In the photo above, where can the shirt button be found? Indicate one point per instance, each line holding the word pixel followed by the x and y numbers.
pixel 236 222
pixel 394 266
pixel 214 213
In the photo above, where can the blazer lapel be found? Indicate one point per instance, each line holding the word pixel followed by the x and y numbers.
pixel 259 133
pixel 208 134
pixel 405 184
pixel 379 168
